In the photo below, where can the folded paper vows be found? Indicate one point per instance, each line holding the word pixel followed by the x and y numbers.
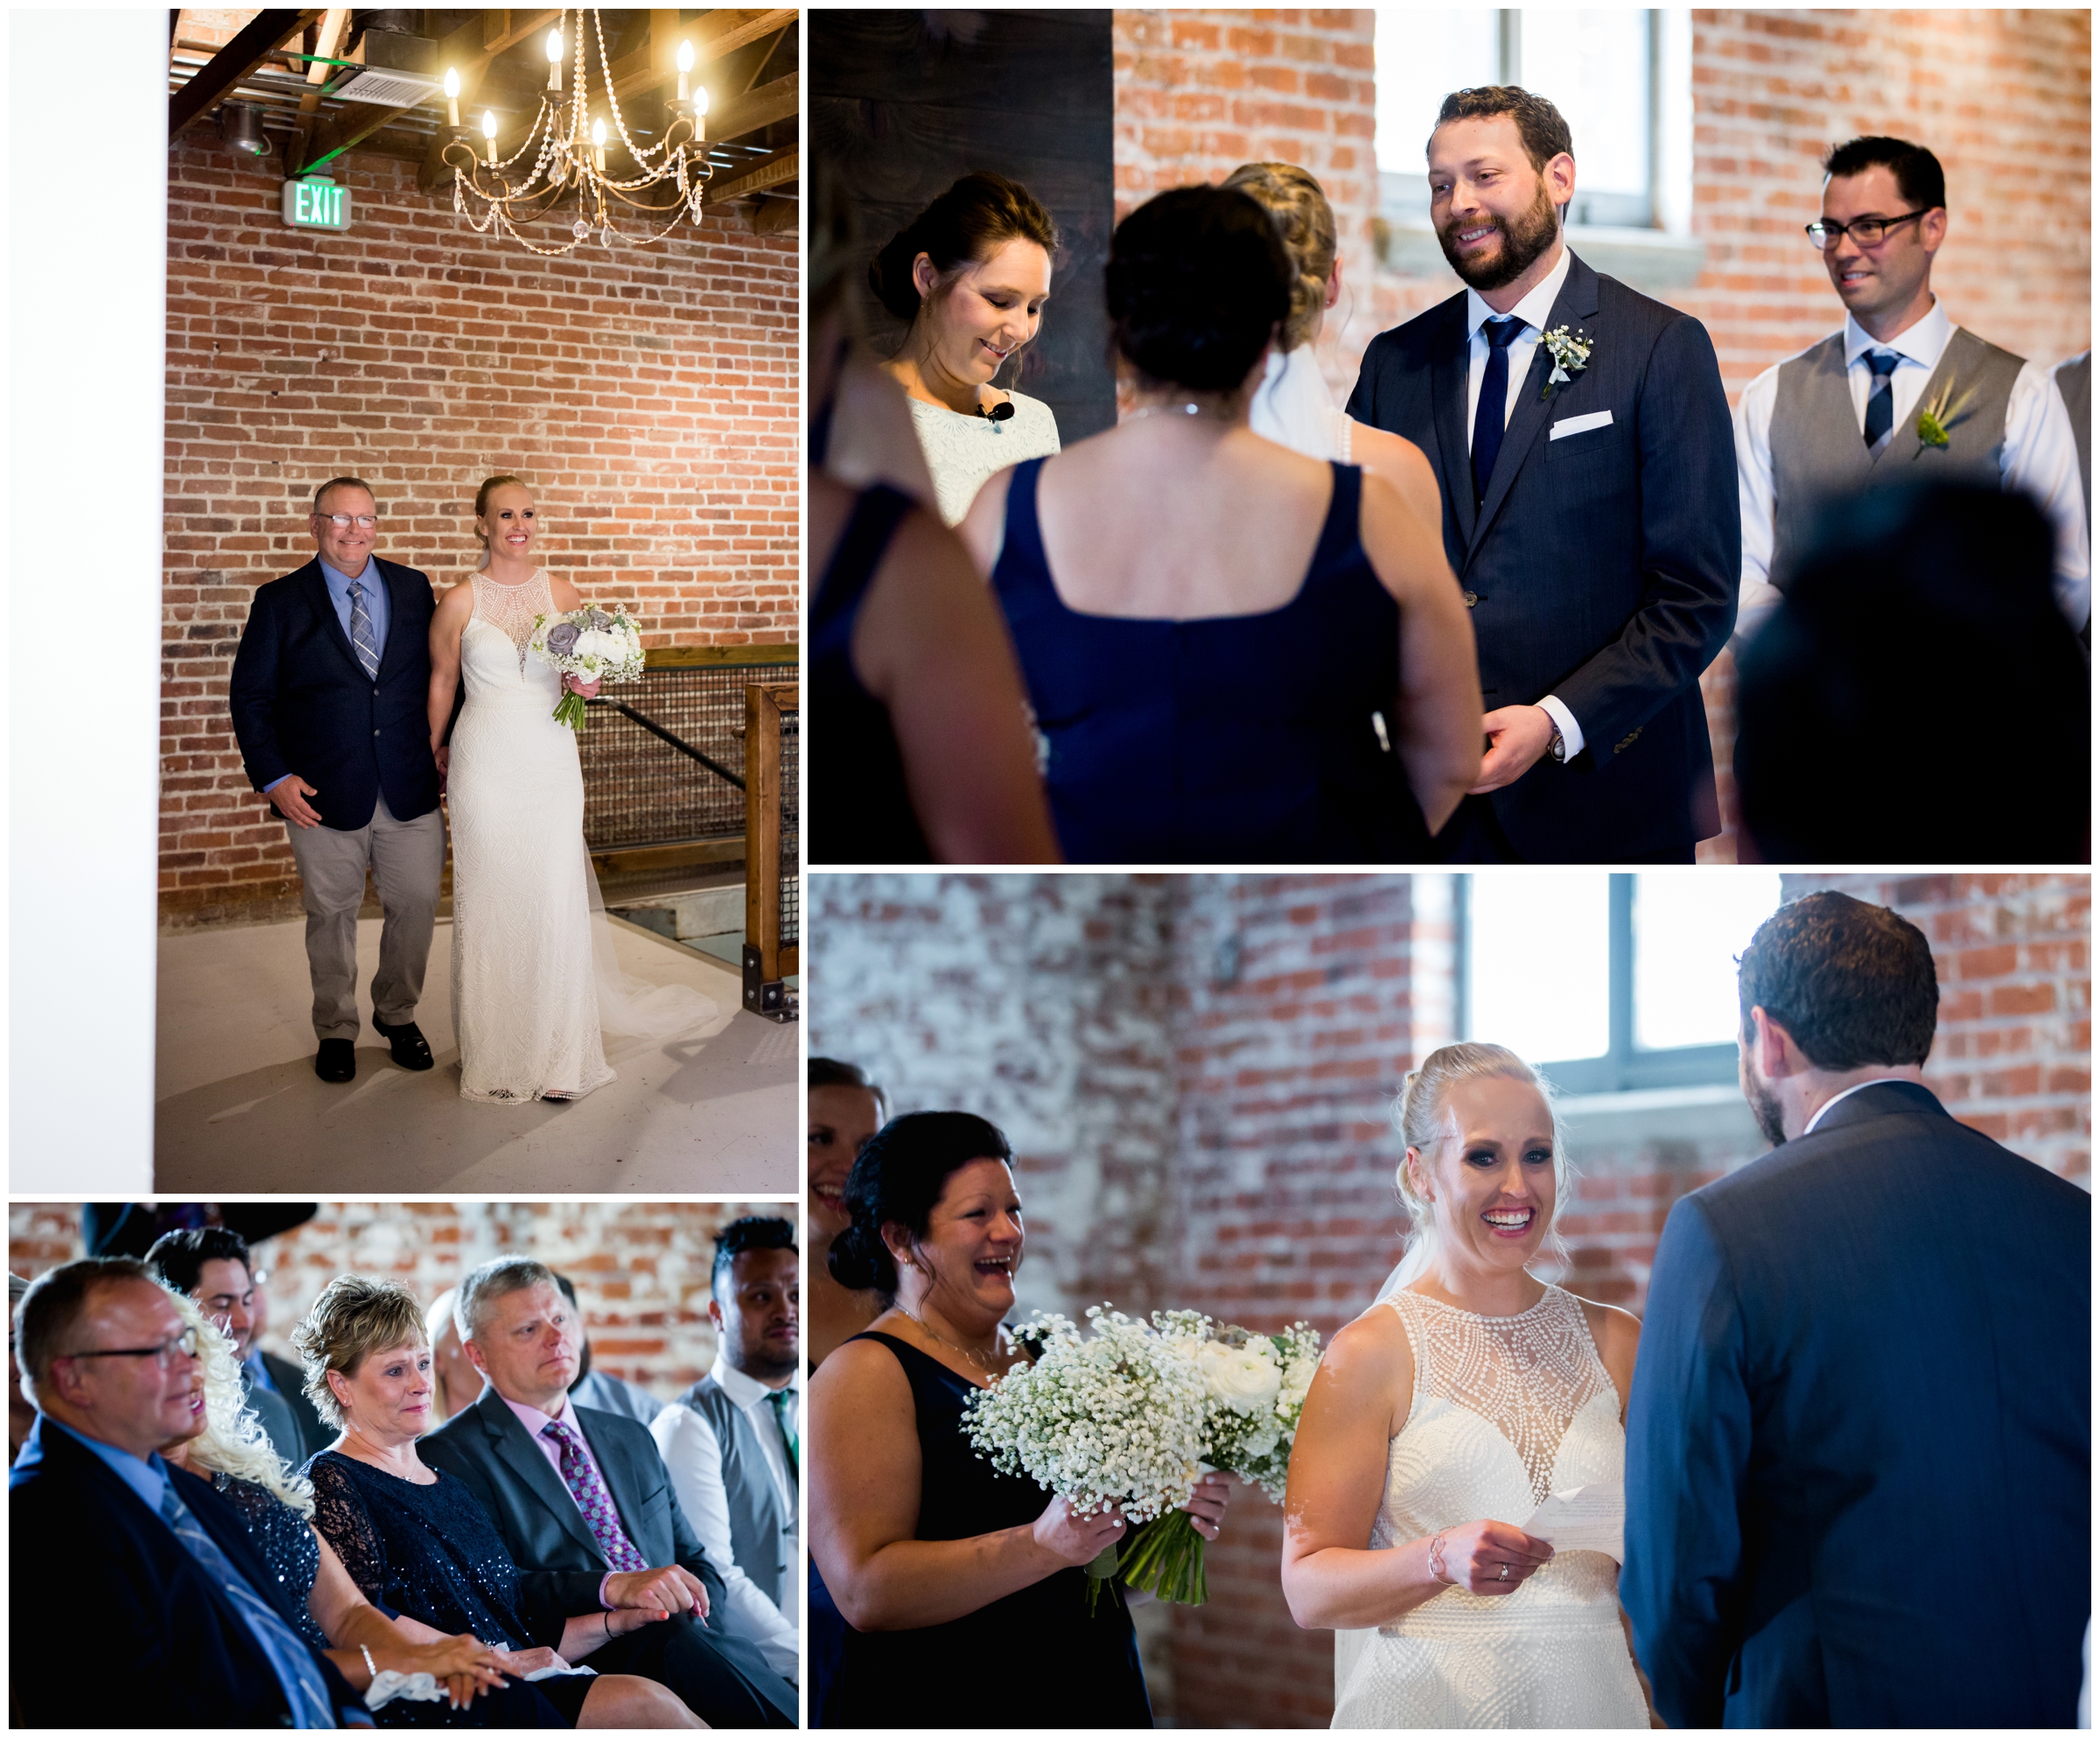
pixel 1588 1517
pixel 1568 425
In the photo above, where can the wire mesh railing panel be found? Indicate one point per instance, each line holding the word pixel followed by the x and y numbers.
pixel 791 833
pixel 639 790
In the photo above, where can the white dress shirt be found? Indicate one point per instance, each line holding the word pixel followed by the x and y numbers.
pixel 690 1449
pixel 1831 1104
pixel 2040 456
pixel 1534 310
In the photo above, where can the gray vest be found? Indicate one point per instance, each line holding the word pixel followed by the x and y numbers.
pixel 2075 381
pixel 759 1523
pixel 1817 451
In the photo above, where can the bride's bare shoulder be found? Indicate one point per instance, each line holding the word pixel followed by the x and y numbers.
pixel 455 603
pixel 1376 1342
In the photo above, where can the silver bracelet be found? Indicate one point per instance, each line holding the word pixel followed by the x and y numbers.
pixel 373 1669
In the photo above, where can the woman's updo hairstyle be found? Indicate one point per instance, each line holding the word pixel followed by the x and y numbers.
pixel 966 226
pixel 1197 284
pixel 1306 222
pixel 489 486
pixel 1419 1115
pixel 898 1177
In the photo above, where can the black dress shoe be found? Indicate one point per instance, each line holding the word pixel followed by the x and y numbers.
pixel 337 1059
pixel 409 1049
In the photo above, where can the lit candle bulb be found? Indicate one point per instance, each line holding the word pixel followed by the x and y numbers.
pixel 451 92
pixel 598 143
pixel 489 125
pixel 700 113
pixel 554 59
pixel 685 65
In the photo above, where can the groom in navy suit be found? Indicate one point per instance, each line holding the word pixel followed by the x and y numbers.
pixel 329 695
pixel 1859 1443
pixel 1583 442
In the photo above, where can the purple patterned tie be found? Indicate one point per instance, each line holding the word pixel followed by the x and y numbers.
pixel 591 1496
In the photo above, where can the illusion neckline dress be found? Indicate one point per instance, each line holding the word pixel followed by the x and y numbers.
pixel 1506 1410
pixel 525 990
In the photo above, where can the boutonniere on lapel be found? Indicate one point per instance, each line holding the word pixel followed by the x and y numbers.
pixel 1936 420
pixel 1570 354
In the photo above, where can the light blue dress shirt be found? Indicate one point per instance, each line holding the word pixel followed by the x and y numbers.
pixel 377 605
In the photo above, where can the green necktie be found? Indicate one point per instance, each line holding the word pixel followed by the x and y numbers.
pixel 780 1398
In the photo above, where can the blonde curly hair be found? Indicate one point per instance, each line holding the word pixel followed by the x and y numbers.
pixel 234 1441
pixel 1305 222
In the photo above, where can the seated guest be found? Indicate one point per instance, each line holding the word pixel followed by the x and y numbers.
pixel 281 1377
pixel 211 1267
pixel 189 1627
pixel 596 1389
pixel 1930 602
pixel 584 1504
pixel 1236 653
pixel 733 1442
pixel 21 1416
pixel 458 1382
pixel 225 1446
pixel 414 1540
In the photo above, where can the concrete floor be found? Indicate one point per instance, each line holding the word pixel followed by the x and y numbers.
pixel 240 1110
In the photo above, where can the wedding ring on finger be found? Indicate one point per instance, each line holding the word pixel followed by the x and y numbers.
pixel 1505 1575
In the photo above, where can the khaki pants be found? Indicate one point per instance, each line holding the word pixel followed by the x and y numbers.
pixel 407 861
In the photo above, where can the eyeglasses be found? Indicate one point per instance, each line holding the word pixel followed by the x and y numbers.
pixel 1869 232
pixel 343 522
pixel 183 1345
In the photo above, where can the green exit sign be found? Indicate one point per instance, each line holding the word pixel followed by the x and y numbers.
pixel 316 204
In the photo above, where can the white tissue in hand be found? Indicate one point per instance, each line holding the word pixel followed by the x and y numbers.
pixel 1588 1517
pixel 414 1686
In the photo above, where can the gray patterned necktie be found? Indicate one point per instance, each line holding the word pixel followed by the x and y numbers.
pixel 361 641
pixel 1882 402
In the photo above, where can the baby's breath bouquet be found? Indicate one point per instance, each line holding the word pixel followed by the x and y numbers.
pixel 1254 1388
pixel 592 645
pixel 1111 1415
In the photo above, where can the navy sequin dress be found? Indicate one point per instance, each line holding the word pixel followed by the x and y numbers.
pixel 1231 739
pixel 431 1551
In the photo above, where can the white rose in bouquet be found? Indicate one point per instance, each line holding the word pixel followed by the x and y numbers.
pixel 1247 1377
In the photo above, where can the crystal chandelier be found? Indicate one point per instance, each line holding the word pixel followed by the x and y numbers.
pixel 565 151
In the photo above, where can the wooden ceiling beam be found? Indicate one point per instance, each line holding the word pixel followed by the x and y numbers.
pixel 256 42
pixel 780 100
pixel 633 73
pixel 782 166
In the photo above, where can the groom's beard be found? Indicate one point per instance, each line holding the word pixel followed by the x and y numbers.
pixel 1764 1106
pixel 1524 239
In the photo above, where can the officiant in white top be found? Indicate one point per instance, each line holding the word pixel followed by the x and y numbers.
pixel 1900 385
pixel 732 1441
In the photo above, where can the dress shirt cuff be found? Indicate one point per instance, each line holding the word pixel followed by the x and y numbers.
pixel 604 1603
pixel 274 783
pixel 1571 732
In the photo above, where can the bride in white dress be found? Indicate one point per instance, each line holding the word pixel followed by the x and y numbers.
pixel 1444 1415
pixel 528 968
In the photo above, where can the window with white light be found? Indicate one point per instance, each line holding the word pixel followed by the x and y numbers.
pixel 1620 75
pixel 1610 982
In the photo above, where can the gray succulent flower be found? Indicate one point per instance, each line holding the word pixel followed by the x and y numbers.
pixel 600 620
pixel 562 638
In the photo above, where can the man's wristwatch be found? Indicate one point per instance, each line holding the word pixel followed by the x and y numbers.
pixel 1557 748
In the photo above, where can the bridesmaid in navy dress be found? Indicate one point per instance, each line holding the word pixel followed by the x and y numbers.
pixel 1235 653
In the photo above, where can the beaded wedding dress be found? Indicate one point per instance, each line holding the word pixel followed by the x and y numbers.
pixel 1506 1410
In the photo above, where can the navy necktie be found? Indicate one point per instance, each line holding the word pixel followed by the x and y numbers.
pixel 1493 410
pixel 1882 402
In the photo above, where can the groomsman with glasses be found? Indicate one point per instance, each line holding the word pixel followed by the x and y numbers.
pixel 330 694
pixel 1900 394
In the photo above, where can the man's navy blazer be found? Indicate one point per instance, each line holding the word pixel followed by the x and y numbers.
pixel 114 1624
pixel 1603 566
pixel 560 1564
pixel 1859 1441
pixel 303 704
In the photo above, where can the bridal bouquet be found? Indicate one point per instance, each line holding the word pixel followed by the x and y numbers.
pixel 1133 1412
pixel 591 645
pixel 1111 1416
pixel 1254 1389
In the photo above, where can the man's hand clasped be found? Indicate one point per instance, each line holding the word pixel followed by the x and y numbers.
pixel 665 1590
pixel 1516 737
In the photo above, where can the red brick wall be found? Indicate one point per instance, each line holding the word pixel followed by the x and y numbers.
pixel 2003 97
pixel 1197 1073
pixel 648 396
pixel 641 1272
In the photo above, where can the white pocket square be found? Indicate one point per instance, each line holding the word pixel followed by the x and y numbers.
pixel 1596 420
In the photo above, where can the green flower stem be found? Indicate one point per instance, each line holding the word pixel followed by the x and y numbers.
pixel 1166 1557
pixel 570 710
